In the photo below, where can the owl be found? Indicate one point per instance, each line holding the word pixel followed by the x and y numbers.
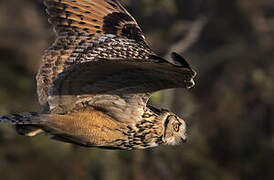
pixel 96 79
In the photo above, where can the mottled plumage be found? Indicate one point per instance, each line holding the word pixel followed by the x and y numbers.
pixel 96 79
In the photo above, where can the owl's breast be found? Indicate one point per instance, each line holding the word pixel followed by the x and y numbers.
pixel 144 134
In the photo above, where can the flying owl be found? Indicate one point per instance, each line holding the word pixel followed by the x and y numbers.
pixel 95 81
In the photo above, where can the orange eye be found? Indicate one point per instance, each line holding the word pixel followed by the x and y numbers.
pixel 176 127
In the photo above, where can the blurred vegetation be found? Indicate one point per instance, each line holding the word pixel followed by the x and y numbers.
pixel 230 110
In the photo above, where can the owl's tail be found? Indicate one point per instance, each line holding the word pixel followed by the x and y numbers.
pixel 27 124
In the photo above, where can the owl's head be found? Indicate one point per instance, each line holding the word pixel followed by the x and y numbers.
pixel 174 130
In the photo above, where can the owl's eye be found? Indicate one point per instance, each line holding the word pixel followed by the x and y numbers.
pixel 176 127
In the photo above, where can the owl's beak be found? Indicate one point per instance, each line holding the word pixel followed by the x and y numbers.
pixel 184 139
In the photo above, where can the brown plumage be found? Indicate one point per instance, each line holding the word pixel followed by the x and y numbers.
pixel 96 79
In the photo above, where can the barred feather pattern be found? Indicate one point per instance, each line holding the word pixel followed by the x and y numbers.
pixel 93 18
pixel 53 63
pixel 87 30
pixel 19 119
pixel 104 47
pixel 109 47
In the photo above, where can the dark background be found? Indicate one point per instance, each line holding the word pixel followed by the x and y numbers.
pixel 229 111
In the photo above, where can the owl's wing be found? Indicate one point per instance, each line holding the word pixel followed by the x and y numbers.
pixel 81 27
pixel 100 59
pixel 121 88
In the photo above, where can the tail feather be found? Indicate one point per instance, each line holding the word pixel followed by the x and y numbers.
pixel 21 118
pixel 26 123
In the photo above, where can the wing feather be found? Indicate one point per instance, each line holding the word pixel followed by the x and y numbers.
pixel 93 18
pixel 122 89
pixel 77 23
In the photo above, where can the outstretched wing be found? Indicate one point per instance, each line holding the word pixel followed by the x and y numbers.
pixel 121 89
pixel 87 29
pixel 100 59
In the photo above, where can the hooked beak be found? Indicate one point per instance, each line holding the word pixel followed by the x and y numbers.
pixel 184 139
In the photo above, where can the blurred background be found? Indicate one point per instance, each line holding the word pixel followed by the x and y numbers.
pixel 230 111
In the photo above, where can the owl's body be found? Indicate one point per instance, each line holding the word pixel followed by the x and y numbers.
pixel 93 128
pixel 96 79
